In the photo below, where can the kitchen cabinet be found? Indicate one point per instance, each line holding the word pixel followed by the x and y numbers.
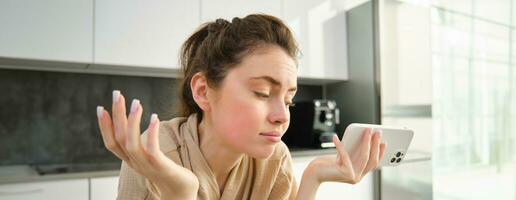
pixel 331 190
pixel 143 33
pixel 114 37
pixel 56 190
pixel 144 38
pixel 318 26
pixel 227 9
pixel 58 30
pixel 104 188
pixel 320 30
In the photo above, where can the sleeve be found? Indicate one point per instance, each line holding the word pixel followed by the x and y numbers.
pixel 285 186
pixel 133 186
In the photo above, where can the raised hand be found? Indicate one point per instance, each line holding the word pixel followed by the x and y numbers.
pixel 121 136
pixel 350 167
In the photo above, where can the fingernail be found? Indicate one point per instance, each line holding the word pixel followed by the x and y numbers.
pixel 153 118
pixel 134 105
pixel 116 96
pixel 100 111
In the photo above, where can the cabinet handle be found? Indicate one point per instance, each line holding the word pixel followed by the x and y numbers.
pixel 9 193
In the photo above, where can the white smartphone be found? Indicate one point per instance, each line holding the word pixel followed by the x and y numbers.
pixel 398 140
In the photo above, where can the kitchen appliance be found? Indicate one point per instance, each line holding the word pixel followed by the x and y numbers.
pixel 312 124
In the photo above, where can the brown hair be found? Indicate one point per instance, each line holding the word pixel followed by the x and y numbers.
pixel 216 47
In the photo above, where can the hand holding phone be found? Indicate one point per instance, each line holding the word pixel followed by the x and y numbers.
pixel 397 141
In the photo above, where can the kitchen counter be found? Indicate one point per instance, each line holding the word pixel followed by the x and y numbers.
pixel 25 173
pixel 411 157
pixel 302 152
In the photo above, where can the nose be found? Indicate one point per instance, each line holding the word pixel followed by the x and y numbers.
pixel 279 114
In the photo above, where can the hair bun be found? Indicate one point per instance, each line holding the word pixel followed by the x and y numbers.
pixel 216 26
pixel 236 20
pixel 221 21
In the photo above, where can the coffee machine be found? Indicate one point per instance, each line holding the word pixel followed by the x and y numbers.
pixel 312 124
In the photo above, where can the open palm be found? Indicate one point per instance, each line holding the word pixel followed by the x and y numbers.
pixel 121 136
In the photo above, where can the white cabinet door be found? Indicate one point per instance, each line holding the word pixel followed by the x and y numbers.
pixel 332 190
pixel 58 30
pixel 104 188
pixel 52 190
pixel 227 9
pixel 143 33
pixel 320 29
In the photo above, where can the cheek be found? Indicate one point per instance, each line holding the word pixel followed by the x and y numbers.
pixel 239 118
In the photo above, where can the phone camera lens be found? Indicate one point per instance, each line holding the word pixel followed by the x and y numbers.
pixel 398 154
pixel 393 160
pixel 398 160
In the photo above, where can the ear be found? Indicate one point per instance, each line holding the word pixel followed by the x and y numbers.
pixel 200 88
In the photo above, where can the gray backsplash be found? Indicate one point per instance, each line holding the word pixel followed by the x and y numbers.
pixel 50 117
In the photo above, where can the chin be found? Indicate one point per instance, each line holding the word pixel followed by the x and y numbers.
pixel 262 153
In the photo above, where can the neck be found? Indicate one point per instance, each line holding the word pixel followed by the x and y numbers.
pixel 220 157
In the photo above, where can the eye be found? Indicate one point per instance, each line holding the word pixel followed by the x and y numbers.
pixel 261 95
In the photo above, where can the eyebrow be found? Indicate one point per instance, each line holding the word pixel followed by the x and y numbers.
pixel 273 82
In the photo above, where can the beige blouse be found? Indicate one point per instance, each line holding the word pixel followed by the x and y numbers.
pixel 270 178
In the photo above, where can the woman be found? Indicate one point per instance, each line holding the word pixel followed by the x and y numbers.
pixel 239 80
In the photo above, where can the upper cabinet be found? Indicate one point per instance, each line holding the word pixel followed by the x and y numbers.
pixel 143 33
pixel 320 29
pixel 58 30
pixel 227 9
pixel 134 37
pixel 318 26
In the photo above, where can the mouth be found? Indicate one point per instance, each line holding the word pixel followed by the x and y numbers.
pixel 272 136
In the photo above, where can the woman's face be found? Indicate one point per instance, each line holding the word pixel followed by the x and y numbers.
pixel 250 111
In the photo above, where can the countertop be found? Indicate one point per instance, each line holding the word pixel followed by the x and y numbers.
pixel 12 174
pixel 24 173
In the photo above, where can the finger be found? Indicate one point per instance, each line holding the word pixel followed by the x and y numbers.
pixel 133 144
pixel 374 154
pixel 106 130
pixel 382 150
pixel 364 147
pixel 153 135
pixel 336 140
pixel 342 156
pixel 364 151
pixel 119 118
